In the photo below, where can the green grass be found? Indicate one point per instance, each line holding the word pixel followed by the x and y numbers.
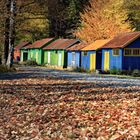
pixel 119 76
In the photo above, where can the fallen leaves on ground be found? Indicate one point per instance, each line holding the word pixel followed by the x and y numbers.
pixel 57 109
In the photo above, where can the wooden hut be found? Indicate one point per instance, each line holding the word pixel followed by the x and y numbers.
pixel 74 55
pixel 92 55
pixel 17 50
pixel 35 51
pixel 55 54
pixel 122 52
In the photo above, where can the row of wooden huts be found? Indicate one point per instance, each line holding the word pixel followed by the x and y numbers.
pixel 121 52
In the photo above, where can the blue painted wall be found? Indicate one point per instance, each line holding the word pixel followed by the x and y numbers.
pixel 77 58
pixel 134 44
pixel 132 62
pixel 115 61
pixel 85 60
pixel 124 62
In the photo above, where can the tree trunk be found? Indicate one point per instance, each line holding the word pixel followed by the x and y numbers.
pixel 11 33
pixel 6 34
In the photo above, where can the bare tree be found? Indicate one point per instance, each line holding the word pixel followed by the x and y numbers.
pixel 7 28
pixel 11 7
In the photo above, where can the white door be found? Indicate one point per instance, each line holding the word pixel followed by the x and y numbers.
pixel 59 59
pixel 49 55
pixel 73 59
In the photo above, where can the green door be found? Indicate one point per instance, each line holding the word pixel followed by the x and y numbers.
pixel 37 57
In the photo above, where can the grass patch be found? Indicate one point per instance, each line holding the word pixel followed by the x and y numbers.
pixel 126 73
pixel 78 69
pixel 136 73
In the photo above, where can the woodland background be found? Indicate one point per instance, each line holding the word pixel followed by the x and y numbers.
pixel 85 19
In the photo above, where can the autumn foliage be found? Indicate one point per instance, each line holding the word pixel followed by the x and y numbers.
pixel 103 19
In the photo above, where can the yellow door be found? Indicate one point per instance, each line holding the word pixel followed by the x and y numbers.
pixel 106 61
pixel 92 62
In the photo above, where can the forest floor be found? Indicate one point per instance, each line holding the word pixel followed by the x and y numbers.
pixel 45 104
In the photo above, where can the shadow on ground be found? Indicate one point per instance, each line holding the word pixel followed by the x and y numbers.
pixel 14 76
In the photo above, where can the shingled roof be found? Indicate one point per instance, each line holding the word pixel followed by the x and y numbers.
pixel 77 47
pixel 95 45
pixel 39 44
pixel 122 40
pixel 54 44
pixel 61 44
pixel 21 45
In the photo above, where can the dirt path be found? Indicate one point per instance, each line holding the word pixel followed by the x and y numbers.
pixel 27 72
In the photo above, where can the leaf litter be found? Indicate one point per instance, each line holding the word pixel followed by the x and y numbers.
pixel 59 109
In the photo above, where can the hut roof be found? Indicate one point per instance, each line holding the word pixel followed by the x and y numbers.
pixel 21 45
pixel 122 40
pixel 95 45
pixel 77 47
pixel 39 44
pixel 54 44
pixel 61 44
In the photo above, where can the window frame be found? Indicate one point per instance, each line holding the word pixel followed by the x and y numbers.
pixel 85 53
pixel 135 50
pixel 132 52
pixel 114 52
pixel 127 49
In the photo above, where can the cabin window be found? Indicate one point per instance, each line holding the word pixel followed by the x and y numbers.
pixel 128 52
pixel 132 52
pixel 84 53
pixel 136 52
pixel 116 52
pixel 56 52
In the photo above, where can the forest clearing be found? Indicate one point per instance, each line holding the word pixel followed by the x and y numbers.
pixel 94 91
pixel 50 107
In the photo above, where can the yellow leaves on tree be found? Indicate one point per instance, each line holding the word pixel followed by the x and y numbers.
pixel 103 19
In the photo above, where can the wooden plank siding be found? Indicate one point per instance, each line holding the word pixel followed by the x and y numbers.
pixel 58 52
pixel 54 57
pixel 74 59
pixel 36 55
pixel 119 60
